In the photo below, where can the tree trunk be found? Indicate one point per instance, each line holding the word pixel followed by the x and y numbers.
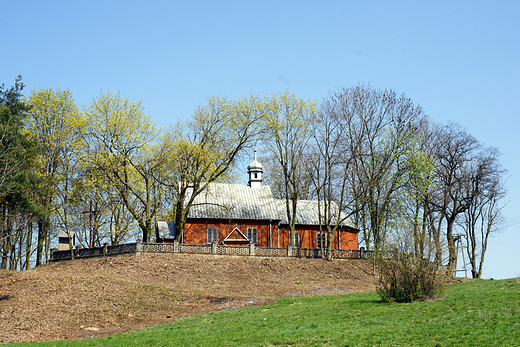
pixel 485 237
pixel 29 245
pixel 416 237
pixel 42 237
pixel 452 252
pixel 4 239
pixel 423 233
pixel 180 219
pixel 12 245
pixel 330 236
pixel 5 250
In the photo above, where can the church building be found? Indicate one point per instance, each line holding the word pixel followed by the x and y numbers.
pixel 239 214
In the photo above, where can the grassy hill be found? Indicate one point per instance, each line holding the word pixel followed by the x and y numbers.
pixel 480 313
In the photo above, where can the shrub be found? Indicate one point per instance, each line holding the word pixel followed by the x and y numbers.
pixel 405 278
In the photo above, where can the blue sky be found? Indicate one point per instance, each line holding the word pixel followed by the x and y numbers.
pixel 460 60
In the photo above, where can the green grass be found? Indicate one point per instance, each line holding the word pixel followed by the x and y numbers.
pixel 481 313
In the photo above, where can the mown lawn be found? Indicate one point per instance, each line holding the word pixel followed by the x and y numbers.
pixel 481 313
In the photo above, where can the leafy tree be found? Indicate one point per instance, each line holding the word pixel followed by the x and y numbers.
pixel 55 121
pixel 17 153
pixel 412 217
pixel 111 220
pixel 205 150
pixel 13 142
pixel 120 140
pixel 287 132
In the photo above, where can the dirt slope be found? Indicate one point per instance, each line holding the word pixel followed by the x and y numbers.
pixel 98 297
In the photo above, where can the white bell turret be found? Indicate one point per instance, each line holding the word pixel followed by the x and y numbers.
pixel 255 170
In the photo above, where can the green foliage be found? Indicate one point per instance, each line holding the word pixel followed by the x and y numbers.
pixel 54 121
pixel 287 132
pixel 205 150
pixel 120 141
pixel 18 182
pixel 406 278
pixel 17 149
pixel 481 313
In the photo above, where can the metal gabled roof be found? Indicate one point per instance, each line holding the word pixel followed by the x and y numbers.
pixel 235 201
pixel 239 201
pixel 307 213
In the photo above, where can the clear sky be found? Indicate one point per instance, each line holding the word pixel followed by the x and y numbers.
pixel 460 60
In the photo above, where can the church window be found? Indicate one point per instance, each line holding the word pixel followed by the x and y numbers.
pixel 212 234
pixel 321 240
pixel 252 235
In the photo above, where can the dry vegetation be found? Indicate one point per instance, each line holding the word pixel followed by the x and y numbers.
pixel 98 297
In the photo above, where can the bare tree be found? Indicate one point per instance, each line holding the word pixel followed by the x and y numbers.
pixel 483 217
pixel 274 177
pixel 330 164
pixel 457 179
pixel 379 126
